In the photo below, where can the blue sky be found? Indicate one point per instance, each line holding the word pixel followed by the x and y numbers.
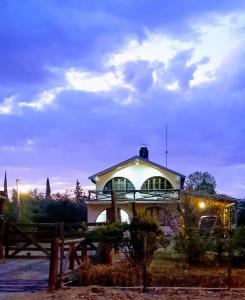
pixel 84 83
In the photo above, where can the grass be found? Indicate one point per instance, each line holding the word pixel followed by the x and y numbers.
pixel 169 269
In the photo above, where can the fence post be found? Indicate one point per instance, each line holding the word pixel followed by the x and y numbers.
pixel 53 266
pixel 72 252
pixel 84 254
pixel 229 262
pixel 6 239
pixel 144 264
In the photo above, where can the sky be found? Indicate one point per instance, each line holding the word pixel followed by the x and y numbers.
pixel 84 84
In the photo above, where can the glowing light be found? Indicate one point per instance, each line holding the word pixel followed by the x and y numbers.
pixel 202 205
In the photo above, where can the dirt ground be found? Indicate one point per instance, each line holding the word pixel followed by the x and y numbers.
pixel 28 279
pixel 23 275
pixel 102 293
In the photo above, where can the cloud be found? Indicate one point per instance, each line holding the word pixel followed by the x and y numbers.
pixel 44 99
pixel 8 106
pixel 91 82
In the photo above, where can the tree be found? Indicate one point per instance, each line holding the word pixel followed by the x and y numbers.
pixel 5 186
pixel 48 189
pixel 238 243
pixel 80 201
pixel 189 241
pixel 78 192
pixel 241 213
pixel 201 181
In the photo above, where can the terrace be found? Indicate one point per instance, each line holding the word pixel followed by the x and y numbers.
pixel 144 196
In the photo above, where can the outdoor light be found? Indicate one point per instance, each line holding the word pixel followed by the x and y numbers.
pixel 202 205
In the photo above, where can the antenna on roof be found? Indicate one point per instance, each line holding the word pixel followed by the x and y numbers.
pixel 166 144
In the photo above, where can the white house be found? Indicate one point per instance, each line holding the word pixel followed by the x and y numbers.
pixel 137 180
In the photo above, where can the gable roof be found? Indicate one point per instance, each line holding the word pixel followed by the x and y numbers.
pixel 125 162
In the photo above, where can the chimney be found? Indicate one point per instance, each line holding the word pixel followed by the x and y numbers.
pixel 144 152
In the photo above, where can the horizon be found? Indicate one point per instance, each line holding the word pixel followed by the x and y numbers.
pixel 84 85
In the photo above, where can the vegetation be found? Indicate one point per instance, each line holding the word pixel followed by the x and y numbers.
pixel 238 243
pixel 241 213
pixel 129 239
pixel 141 226
pixel 189 241
pixel 34 207
pixel 201 181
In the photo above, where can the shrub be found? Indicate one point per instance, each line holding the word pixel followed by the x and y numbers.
pixel 109 275
pixel 238 243
pixel 141 226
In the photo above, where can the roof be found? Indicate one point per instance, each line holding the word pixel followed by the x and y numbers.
pixel 125 162
pixel 216 197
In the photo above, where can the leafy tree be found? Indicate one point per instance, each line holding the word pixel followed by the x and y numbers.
pixel 141 226
pixel 238 243
pixel 241 213
pixel 201 181
pixel 9 210
pixel 129 238
pixel 189 241
pixel 107 236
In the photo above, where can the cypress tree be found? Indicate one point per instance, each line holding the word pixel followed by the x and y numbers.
pixel 48 189
pixel 5 186
pixel 78 191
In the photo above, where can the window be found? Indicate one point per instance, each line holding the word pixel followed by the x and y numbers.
pixel 103 216
pixel 118 184
pixel 157 183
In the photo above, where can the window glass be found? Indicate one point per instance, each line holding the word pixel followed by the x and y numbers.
pixel 118 184
pixel 156 183
pixel 102 217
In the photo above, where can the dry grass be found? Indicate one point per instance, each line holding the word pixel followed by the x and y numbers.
pixel 111 275
pixel 168 270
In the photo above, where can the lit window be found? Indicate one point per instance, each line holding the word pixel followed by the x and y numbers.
pixel 157 183
pixel 102 217
pixel 118 184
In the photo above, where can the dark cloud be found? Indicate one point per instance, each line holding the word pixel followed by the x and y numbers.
pixel 86 132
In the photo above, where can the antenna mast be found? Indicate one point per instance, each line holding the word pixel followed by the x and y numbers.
pixel 166 141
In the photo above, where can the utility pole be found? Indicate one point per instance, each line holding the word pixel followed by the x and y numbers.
pixel 17 209
pixel 166 143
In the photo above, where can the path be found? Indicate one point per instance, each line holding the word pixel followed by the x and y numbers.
pixel 23 275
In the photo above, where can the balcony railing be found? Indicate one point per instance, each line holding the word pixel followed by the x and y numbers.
pixel 134 195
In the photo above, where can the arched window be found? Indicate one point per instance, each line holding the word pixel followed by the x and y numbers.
pixel 157 183
pixel 103 216
pixel 118 184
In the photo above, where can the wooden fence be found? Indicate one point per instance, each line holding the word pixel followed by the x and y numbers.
pixel 34 240
pixel 64 263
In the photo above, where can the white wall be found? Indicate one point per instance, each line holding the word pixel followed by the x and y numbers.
pixel 137 174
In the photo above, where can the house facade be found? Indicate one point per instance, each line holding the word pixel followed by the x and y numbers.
pixel 137 183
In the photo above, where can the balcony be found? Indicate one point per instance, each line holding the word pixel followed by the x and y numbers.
pixel 134 196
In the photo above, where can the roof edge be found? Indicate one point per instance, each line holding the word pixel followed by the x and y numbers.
pixel 130 160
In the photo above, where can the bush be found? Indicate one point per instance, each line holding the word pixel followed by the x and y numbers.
pixel 108 275
pixel 108 236
pixel 238 243
pixel 141 226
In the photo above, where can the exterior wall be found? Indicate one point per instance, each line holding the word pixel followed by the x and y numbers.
pixel 212 206
pixel 95 209
pixel 137 173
